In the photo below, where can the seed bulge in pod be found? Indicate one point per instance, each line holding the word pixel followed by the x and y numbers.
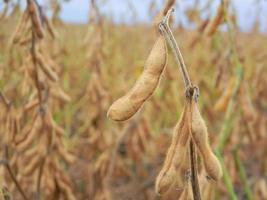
pixel 200 137
pixel 126 106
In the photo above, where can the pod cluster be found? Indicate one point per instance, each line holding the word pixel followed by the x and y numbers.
pixel 191 125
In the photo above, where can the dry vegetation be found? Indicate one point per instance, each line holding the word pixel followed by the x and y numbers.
pixel 58 82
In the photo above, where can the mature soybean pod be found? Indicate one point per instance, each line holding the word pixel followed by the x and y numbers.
pixel 221 104
pixel 32 165
pixel 183 172
pixel 215 21
pixel 200 137
pixel 126 106
pixel 48 71
pixel 175 155
pixel 36 18
pixel 19 30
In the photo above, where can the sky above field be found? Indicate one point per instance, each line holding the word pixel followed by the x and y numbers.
pixel 120 10
pixel 130 11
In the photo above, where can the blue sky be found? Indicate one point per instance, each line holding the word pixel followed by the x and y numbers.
pixel 77 11
pixel 247 10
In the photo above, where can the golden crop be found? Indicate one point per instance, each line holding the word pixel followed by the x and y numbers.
pixel 63 127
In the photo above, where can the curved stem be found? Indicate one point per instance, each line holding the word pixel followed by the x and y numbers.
pixel 191 92
pixel 165 29
pixel 15 181
pixel 5 162
pixel 194 178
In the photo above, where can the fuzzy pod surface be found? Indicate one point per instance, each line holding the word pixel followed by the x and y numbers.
pixel 126 106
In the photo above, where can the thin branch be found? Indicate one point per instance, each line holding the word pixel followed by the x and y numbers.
pixel 227 123
pixel 191 92
pixel 242 174
pixel 165 29
pixel 42 92
pixel 194 172
pixel 5 162
pixel 15 181
pixel 226 177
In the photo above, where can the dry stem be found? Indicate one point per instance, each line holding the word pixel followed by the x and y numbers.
pixel 5 162
pixel 191 91
pixel 194 172
pixel 165 29
pixel 42 101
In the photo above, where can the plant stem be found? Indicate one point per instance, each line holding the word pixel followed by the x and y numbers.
pixel 15 181
pixel 242 174
pixel 226 178
pixel 227 124
pixel 5 162
pixel 166 31
pixel 194 177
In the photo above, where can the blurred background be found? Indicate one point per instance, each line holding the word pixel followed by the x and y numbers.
pixel 63 63
pixel 129 12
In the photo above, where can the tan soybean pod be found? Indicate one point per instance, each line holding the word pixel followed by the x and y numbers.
pixel 48 180
pixel 64 186
pixel 215 21
pixel 49 72
pixel 167 5
pixel 50 27
pixel 19 30
pixel 33 132
pixel 67 156
pixel 32 165
pixel 200 137
pixel 126 106
pixel 187 193
pixel 165 179
pixel 58 93
pixel 35 18
pixel 175 155
pixel 222 102
pixel 183 173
